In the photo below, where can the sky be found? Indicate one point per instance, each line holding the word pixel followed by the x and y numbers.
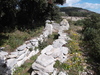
pixel 93 5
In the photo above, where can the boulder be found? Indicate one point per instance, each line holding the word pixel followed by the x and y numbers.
pixel 64 24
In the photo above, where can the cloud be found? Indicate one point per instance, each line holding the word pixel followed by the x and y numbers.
pixel 71 2
pixel 88 5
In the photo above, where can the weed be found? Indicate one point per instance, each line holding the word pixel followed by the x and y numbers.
pixel 30 49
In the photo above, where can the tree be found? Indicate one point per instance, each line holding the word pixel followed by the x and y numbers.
pixel 7 12
pixel 39 9
pixel 24 12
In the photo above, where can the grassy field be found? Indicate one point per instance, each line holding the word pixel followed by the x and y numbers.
pixel 11 40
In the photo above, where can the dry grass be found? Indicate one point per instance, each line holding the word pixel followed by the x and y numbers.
pixel 17 38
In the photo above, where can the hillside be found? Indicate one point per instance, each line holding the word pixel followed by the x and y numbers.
pixel 75 11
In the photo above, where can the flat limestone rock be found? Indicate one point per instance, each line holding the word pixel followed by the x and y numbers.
pixel 11 56
pixel 22 47
pixel 19 63
pixel 43 60
pixel 11 62
pixel 32 53
pixel 59 43
pixel 14 53
pixel 29 45
pixel 21 52
pixel 21 57
pixel 47 49
pixel 56 52
pixel 39 67
pixel 3 53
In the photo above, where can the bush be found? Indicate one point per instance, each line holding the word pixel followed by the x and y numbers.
pixel 91 35
pixel 79 23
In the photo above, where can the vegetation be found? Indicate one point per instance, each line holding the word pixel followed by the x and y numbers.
pixel 84 47
pixel 20 19
pixel 27 12
pixel 76 62
pixel 79 23
pixel 90 41
pixel 91 34
pixel 11 40
pixel 75 11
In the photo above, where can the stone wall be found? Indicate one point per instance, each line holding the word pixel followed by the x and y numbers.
pixel 46 60
pixel 56 51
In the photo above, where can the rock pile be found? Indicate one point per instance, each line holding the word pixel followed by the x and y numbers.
pixel 46 60
pixel 44 63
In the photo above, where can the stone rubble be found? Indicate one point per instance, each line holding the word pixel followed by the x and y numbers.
pixel 46 60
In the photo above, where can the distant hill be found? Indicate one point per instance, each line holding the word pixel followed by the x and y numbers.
pixel 75 11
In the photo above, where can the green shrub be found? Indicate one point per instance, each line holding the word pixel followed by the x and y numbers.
pixel 42 45
pixel 79 23
pixel 91 34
